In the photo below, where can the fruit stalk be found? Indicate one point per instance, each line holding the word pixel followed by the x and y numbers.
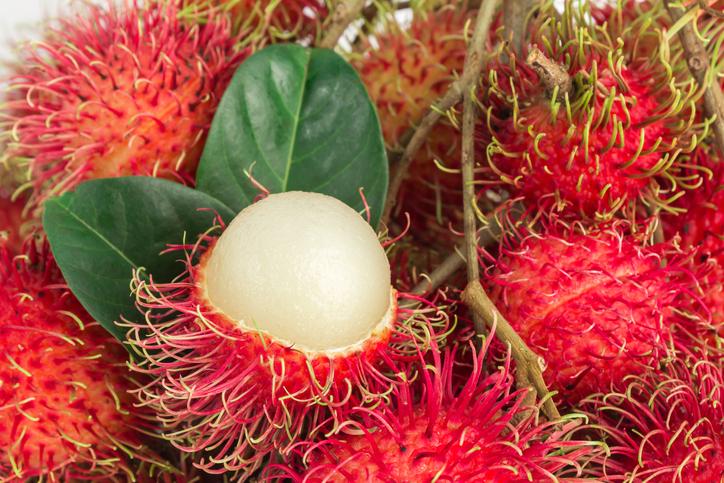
pixel 344 14
pixel 526 360
pixel 453 95
pixel 698 63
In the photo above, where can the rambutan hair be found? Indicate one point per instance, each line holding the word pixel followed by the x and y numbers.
pixel 597 306
pixel 405 70
pixel 234 396
pixel 66 413
pixel 666 425
pixel 116 90
pixel 441 426
pixel 262 21
pixel 617 135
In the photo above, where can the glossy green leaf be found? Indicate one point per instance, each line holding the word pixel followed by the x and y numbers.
pixel 108 227
pixel 298 119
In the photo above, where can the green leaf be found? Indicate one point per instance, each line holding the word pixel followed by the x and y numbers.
pixel 303 119
pixel 107 227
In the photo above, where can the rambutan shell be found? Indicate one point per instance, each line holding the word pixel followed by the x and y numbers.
pixel 441 427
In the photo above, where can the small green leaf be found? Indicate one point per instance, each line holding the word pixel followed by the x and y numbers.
pixel 108 227
pixel 302 118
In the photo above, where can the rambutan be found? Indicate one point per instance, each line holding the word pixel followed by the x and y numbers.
pixel 440 428
pixel 405 70
pixel 598 121
pixel 66 412
pixel 117 90
pixel 597 307
pixel 664 426
pixel 701 227
pixel 261 340
pixel 266 20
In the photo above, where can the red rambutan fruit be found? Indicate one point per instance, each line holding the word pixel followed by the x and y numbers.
pixel 701 227
pixel 261 340
pixel 117 90
pixel 66 411
pixel 439 427
pixel 266 20
pixel 612 136
pixel 405 70
pixel 664 426
pixel 597 307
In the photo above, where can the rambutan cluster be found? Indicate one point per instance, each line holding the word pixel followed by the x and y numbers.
pixel 443 427
pixel 597 120
pixel 116 90
pixel 66 411
pixel 597 306
pixel 667 425
pixel 405 70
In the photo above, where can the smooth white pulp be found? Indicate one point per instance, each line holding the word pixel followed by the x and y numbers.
pixel 303 267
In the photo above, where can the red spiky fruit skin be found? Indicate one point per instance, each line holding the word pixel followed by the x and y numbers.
pixel 701 226
pixel 115 91
pixel 443 428
pixel 404 73
pixel 235 396
pixel 270 20
pixel 665 426
pixel 618 138
pixel 66 412
pixel 596 307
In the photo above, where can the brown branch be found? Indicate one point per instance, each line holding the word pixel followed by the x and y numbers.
pixel 528 371
pixel 553 75
pixel 454 262
pixel 442 105
pixel 471 70
pixel 344 14
pixel 698 63
pixel 526 361
pixel 515 16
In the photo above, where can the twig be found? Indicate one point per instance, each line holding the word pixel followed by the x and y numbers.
pixel 442 272
pixel 515 16
pixel 442 105
pixel 344 14
pixel 698 63
pixel 527 362
pixel 553 75
pixel 472 69
pixel 528 373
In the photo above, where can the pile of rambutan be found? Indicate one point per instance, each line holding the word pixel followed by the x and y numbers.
pixel 295 340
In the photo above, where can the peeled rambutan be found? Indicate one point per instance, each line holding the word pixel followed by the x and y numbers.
pixel 266 20
pixel 117 90
pixel 66 411
pixel 597 307
pixel 441 428
pixel 664 426
pixel 277 326
pixel 405 71
pixel 599 121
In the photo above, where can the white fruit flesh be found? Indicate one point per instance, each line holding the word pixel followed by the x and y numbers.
pixel 304 268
